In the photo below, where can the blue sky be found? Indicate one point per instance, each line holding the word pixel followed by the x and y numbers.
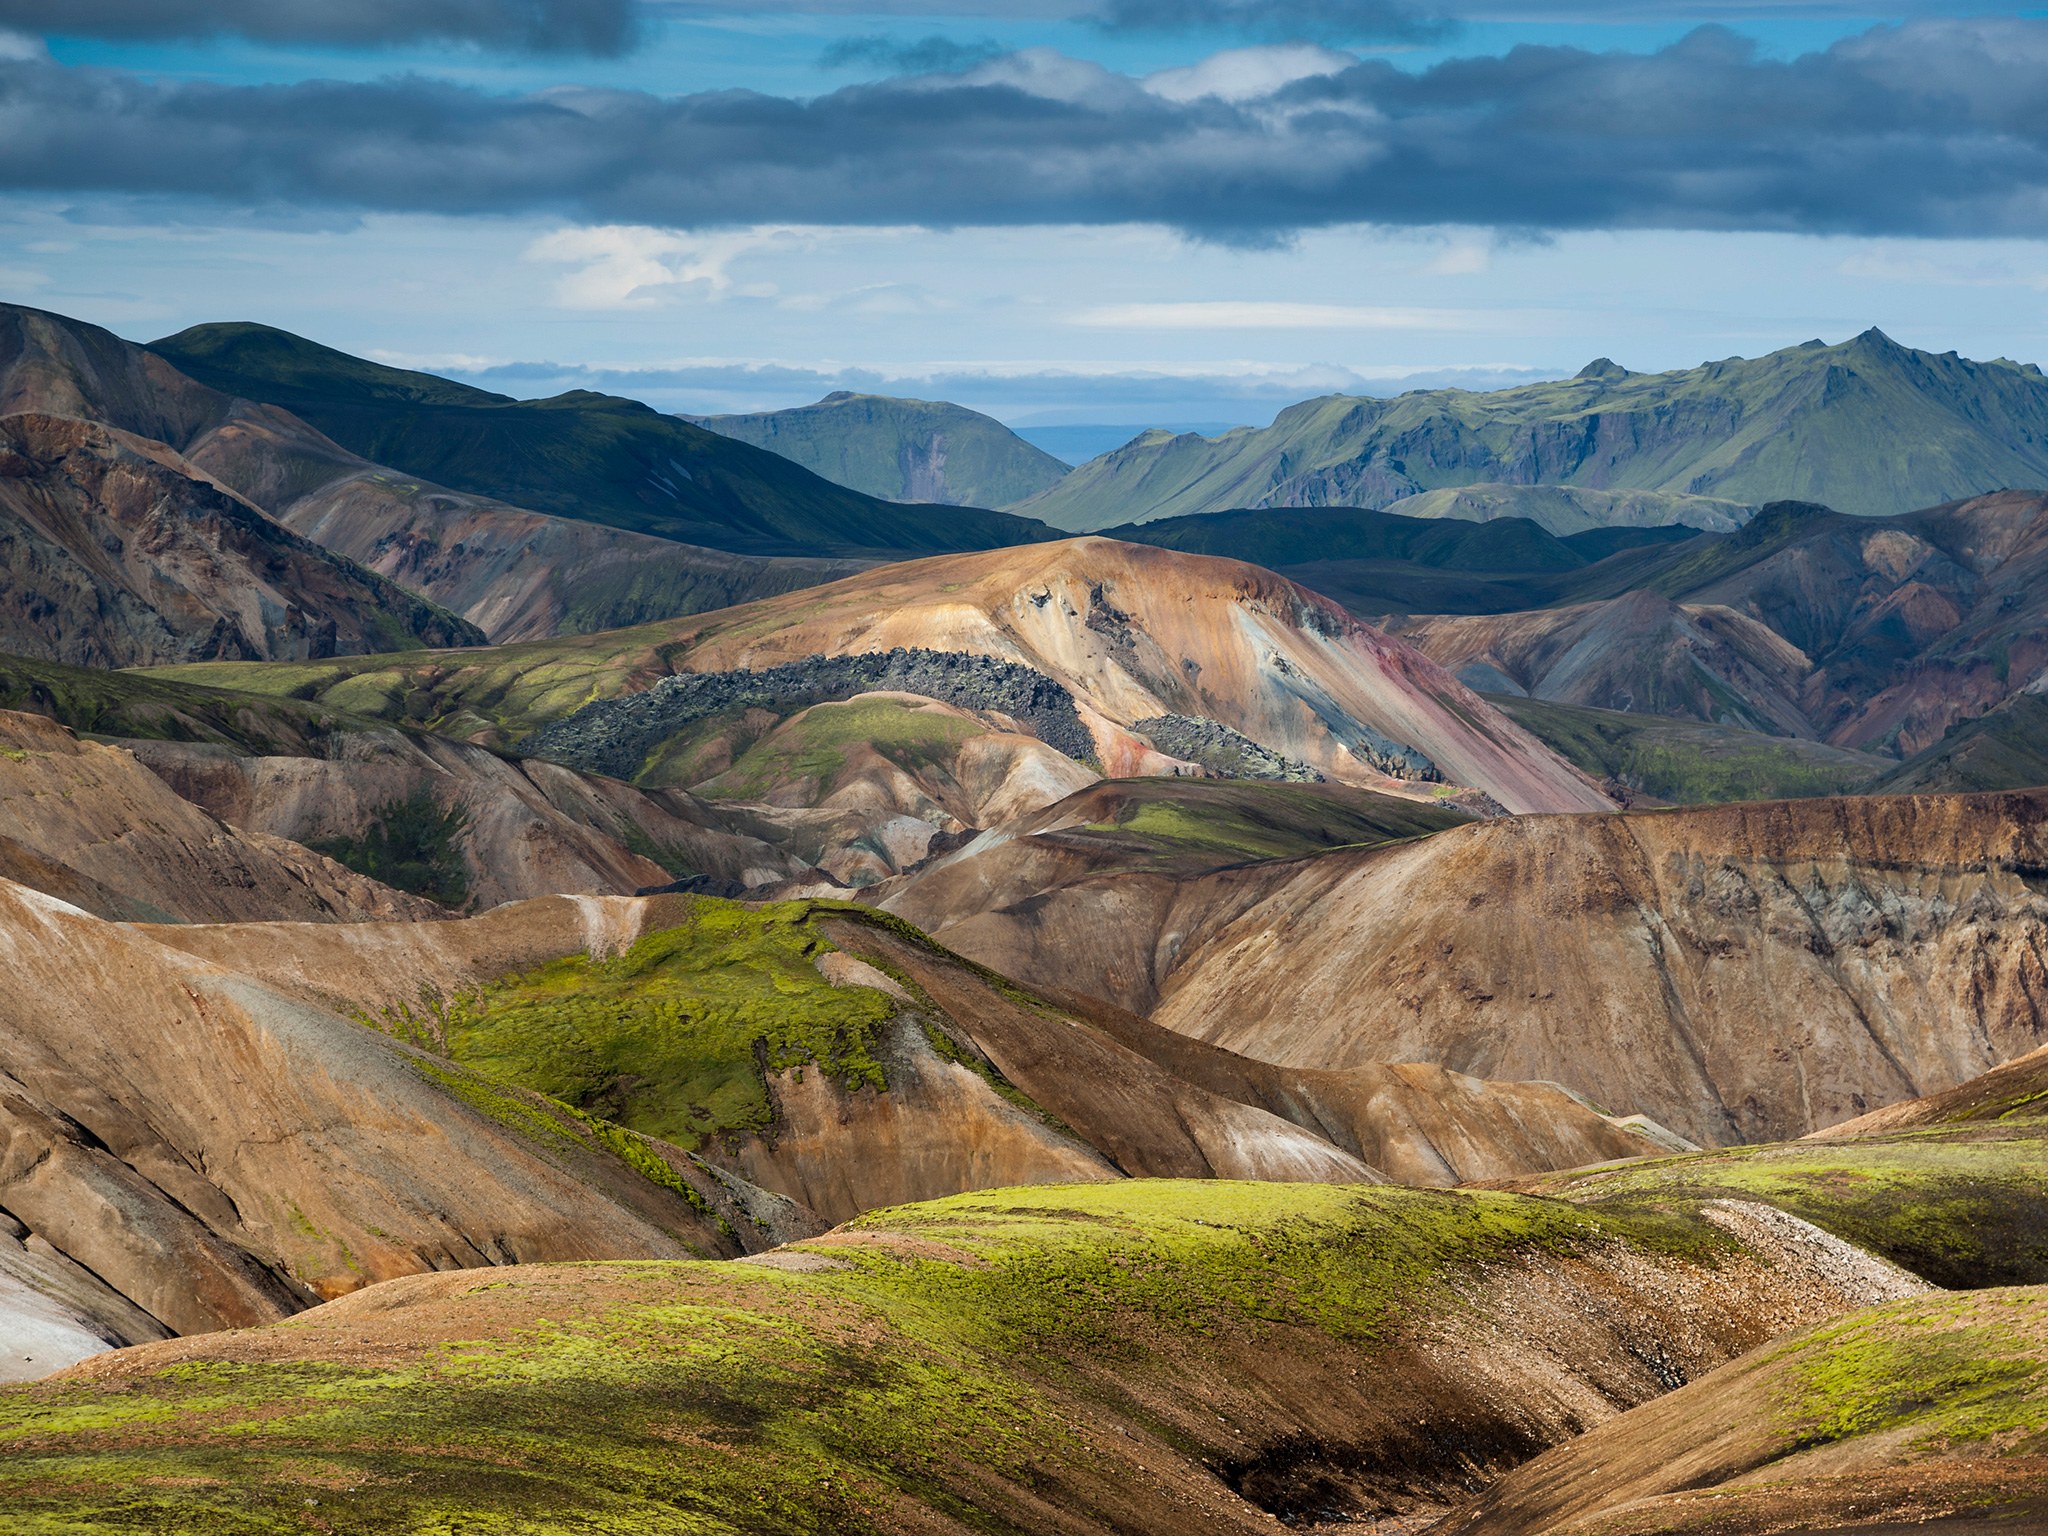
pixel 1179 211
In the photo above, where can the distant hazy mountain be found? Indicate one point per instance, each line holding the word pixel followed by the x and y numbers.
pixel 1868 426
pixel 903 450
pixel 580 455
pixel 1570 509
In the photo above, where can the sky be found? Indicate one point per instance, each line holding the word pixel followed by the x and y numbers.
pixel 1139 212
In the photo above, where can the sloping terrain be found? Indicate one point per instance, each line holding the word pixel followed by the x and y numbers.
pixel 1639 653
pixel 901 450
pixel 581 455
pixel 1131 1358
pixel 1737 973
pixel 91 826
pixel 513 573
pixel 1126 634
pixel 1930 1414
pixel 2005 747
pixel 115 552
pixel 1651 759
pixel 217 1153
pixel 1866 425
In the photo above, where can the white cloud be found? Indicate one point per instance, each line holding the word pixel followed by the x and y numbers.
pixel 1267 315
pixel 1888 267
pixel 623 266
pixel 1247 74
pixel 1461 261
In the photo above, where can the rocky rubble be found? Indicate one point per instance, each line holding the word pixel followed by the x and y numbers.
pixel 614 736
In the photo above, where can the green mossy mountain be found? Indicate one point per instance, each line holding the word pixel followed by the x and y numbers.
pixel 901 450
pixel 1866 425
pixel 581 455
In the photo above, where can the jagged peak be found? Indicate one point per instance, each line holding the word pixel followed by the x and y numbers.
pixel 1602 368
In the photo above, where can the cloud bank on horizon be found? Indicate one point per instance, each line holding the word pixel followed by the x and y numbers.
pixel 1932 127
pixel 1140 203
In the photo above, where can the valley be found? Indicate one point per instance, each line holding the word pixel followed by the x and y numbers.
pixel 567 971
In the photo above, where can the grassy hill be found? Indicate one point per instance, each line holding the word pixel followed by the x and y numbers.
pixel 901 450
pixel 1866 425
pixel 580 455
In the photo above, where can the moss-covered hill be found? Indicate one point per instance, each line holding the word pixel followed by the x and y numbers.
pixel 1929 1414
pixel 1963 1205
pixel 1144 1357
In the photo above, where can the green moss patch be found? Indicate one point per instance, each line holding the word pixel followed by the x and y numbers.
pixel 676 1037
pixel 808 754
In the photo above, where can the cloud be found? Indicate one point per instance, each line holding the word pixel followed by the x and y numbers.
pixel 1930 128
pixel 926 56
pixel 546 26
pixel 1330 21
pixel 1246 74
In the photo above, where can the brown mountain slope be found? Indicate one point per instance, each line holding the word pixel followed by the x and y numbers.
pixel 219 1153
pixel 1925 1415
pixel 90 825
pixel 1738 973
pixel 515 574
pixel 114 551
pixel 1639 653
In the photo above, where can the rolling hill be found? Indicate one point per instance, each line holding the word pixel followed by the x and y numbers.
pixel 1866 425
pixel 580 455
pixel 901 450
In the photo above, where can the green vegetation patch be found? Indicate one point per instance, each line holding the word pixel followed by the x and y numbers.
pixel 1943 1371
pixel 676 1037
pixel 1687 762
pixel 1185 826
pixel 412 844
pixel 808 753
pixel 1963 1209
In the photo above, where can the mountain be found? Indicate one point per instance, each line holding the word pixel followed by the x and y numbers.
pixel 1866 425
pixel 114 551
pixel 1736 973
pixel 1874 634
pixel 1100 645
pixel 901 450
pixel 514 573
pixel 580 455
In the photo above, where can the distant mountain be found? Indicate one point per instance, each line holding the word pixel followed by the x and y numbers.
pixel 1869 426
pixel 580 455
pixel 1568 509
pixel 901 450
pixel 1078 442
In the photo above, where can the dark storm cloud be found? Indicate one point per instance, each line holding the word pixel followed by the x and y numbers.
pixel 553 26
pixel 1935 128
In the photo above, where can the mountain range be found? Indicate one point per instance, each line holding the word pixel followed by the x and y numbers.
pixel 1867 425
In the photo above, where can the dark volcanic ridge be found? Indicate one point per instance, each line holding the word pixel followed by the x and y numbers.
pixel 614 736
pixel 1221 750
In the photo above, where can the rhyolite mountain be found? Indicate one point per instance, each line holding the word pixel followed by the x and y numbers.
pixel 902 450
pixel 579 455
pixel 1865 425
